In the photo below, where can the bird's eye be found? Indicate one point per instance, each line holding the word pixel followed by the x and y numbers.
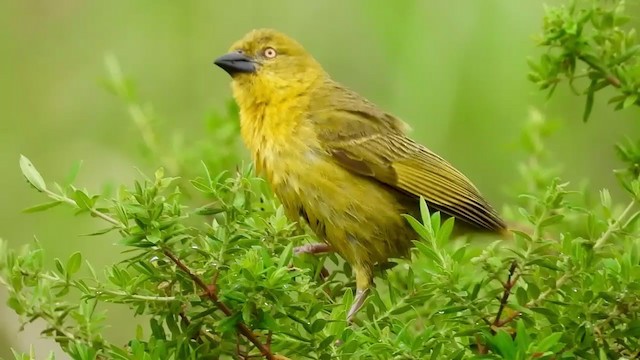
pixel 270 53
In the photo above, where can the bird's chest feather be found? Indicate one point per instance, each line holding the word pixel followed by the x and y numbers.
pixel 283 147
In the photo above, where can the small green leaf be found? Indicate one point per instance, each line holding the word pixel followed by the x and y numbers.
pixel 82 200
pixel 31 174
pixel 419 228
pixel 627 55
pixel 42 207
pixel 426 216
pixel 630 100
pixel 549 342
pixel 453 309
pixel 546 312
pixel 73 173
pixel 522 337
pixel 318 325
pixel 74 262
pixel 101 232
pixel 550 220
pixel 504 344
pixel 211 209
pixel 58 265
pixel 427 251
pixel 589 103
pixel 286 255
pixel 444 234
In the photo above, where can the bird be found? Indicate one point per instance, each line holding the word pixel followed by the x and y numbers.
pixel 340 163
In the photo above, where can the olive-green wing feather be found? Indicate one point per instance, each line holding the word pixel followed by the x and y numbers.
pixel 369 143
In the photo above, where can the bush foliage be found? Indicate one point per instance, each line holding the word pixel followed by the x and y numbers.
pixel 211 266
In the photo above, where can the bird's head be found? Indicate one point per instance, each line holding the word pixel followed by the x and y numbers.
pixel 266 63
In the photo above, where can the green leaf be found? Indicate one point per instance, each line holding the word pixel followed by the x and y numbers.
pixel 58 265
pixel 42 207
pixel 101 232
pixel 553 317
pixel 425 214
pixel 550 220
pixel 504 344
pixel 31 174
pixel 436 222
pixel 82 200
pixel 73 173
pixel 427 251
pixel 548 342
pixel 286 255
pixel 347 300
pixel 211 209
pixel 318 325
pixel 458 255
pixel 419 228
pixel 630 100
pixel 453 309
pixel 632 51
pixel 74 262
pixel 589 103
pixel 522 337
pixel 444 234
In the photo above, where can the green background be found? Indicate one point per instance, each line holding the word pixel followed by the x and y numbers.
pixel 454 70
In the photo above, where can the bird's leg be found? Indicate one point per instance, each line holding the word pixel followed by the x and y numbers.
pixel 315 248
pixel 364 279
pixel 361 296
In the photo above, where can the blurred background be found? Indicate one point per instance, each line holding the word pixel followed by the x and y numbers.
pixel 456 71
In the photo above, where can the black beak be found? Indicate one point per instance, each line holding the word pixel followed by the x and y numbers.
pixel 236 62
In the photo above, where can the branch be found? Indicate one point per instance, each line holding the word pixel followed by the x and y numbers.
pixel 210 293
pixel 511 282
pixel 93 211
pixel 612 79
pixel 614 226
pixel 539 299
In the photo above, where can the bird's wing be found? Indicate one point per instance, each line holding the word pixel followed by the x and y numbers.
pixel 362 142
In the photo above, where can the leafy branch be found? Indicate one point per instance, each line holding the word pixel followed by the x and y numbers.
pixel 591 33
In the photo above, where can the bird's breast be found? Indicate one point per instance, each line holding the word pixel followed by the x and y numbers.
pixel 356 215
pixel 282 144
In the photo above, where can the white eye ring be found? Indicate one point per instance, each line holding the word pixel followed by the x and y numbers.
pixel 270 53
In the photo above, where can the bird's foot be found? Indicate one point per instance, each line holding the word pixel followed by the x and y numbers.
pixel 313 249
pixel 361 296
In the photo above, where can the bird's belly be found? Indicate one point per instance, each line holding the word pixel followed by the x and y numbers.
pixel 360 218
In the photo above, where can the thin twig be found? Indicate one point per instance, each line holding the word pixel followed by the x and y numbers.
pixel 93 211
pixel 244 330
pixel 607 75
pixel 539 299
pixel 508 286
pixel 101 291
pixel 482 348
pixel 615 226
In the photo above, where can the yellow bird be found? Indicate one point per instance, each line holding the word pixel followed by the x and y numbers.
pixel 338 161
